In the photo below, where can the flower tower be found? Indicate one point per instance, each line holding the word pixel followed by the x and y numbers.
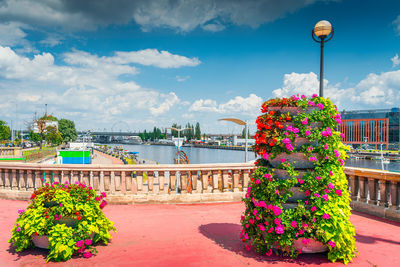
pixel 297 200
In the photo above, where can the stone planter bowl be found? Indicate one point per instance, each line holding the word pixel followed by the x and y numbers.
pixel 302 161
pixel 311 124
pixel 301 141
pixel 41 241
pixel 292 110
pixel 282 174
pixel 70 222
pixel 297 194
pixel 312 247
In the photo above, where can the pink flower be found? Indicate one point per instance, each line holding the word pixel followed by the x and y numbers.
pixel 300 181
pixel 103 194
pixel 316 195
pixel 337 154
pixel 60 205
pixel 313 208
pixel 277 191
pixel 301 231
pixel 258 181
pixel 331 244
pixel 303 96
pixel 325 197
pixel 305 121
pixel 269 253
pixel 262 228
pixel 331 186
pixel 103 204
pixel 313 159
pixel 338 192
pixel 277 221
pixel 306 241
pixel 276 210
pixel 318 178
pixel 251 221
pixel 308 192
pixel 330 173
pixel 286 141
pixel 289 147
pixel 87 254
pixel 327 191
pixel 88 242
pixel 342 135
pixel 293 224
pixel 81 250
pixel 310 148
pixel 282 160
pixel 270 230
pixel 307 133
pixel 314 95
pixel 314 220
pixel 321 106
pixel 286 133
pixel 341 162
pixel 296 130
pixel 311 103
pixel 254 212
pixel 267 175
pixel 18 229
pixel 279 229
pixel 306 202
pixel 246 236
pixel 248 247
pixel 20 211
pixel 270 207
pixel 266 156
pixel 326 216
pixel 327 157
pixel 79 243
pixel 247 225
pixel 90 188
pixel 97 198
pixel 326 146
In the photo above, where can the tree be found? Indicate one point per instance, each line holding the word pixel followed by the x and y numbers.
pixel 5 132
pixel 197 131
pixel 34 137
pixel 244 133
pixel 53 136
pixel 67 130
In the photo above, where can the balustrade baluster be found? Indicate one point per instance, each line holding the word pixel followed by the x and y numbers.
pixel 2 181
pixel 382 193
pixel 101 185
pixel 38 179
pixel 91 180
pixel 225 177
pixel 394 197
pixel 204 181
pixel 215 179
pixel 245 179
pixel 112 182
pixel 235 180
pixel 172 182
pixel 183 178
pixel 353 187
pixel 372 184
pixel 14 182
pixel 21 180
pixel 139 181
pixel 30 182
pixel 123 183
pixel 194 176
pixel 361 181
pixel 161 182
pixel 7 181
pixel 150 182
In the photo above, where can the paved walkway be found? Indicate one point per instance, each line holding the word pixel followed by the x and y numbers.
pixel 196 235
pixel 102 158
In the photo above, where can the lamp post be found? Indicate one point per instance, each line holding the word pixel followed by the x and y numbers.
pixel 323 30
pixel 246 127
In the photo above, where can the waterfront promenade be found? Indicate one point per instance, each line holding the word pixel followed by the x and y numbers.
pixel 196 235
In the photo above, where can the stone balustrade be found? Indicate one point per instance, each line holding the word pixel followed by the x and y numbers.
pixel 10 152
pixel 134 183
pixel 375 192
pixel 372 191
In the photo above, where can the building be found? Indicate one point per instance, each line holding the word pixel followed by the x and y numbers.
pixel 372 127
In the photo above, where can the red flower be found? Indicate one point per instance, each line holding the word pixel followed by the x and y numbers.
pixel 47 216
pixel 79 217
pixel 272 112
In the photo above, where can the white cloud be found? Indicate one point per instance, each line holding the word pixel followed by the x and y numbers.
pixel 169 100
pixel 249 105
pixel 182 79
pixel 395 60
pixel 374 91
pixel 52 40
pixel 396 24
pixel 152 57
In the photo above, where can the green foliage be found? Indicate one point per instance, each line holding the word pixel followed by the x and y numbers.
pixel 71 217
pixel 324 214
pixel 48 118
pixel 67 130
pixel 5 132
pixel 34 137
pixel 53 136
pixel 197 131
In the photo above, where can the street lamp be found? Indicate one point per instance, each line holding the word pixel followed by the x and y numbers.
pixel 240 122
pixel 323 30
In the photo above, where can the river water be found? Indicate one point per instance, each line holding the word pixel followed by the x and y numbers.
pixel 165 155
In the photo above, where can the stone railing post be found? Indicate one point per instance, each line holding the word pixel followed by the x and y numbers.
pixel 21 177
pixel 101 185
pixel 112 182
pixel 107 178
pixel 361 181
pixel 29 180
pixel 150 181
pixel 225 177
pixel 204 181
pixel 235 180
pixel 161 182
pixel 38 179
pixel 91 180
pixel 7 179
pixel 372 191
pixel 382 193
pixel 184 179
pixel 194 176
pixel 124 189
pixel 394 197
pixel 172 182
pixel 14 182
pixel 139 181
pixel 353 187
pixel 2 182
pixel 245 179
pixel 215 179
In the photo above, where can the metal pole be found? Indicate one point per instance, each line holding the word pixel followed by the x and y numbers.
pixel 246 134
pixel 321 70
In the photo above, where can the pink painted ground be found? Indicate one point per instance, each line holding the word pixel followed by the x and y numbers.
pixel 196 235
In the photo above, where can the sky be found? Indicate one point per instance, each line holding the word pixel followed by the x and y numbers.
pixel 132 65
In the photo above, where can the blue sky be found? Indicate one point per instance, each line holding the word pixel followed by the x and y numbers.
pixel 138 64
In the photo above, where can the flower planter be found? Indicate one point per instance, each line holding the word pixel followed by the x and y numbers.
pixel 70 222
pixel 312 246
pixel 41 241
pixel 297 194
pixel 301 141
pixel 49 204
pixel 282 174
pixel 311 124
pixel 292 110
pixel 297 159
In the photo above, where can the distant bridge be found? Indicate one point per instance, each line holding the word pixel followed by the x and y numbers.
pixel 109 133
